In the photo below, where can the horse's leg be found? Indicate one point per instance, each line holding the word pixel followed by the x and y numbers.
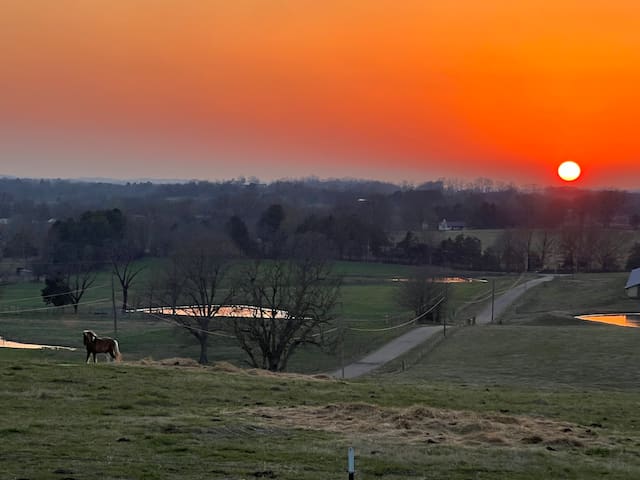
pixel 88 355
pixel 94 357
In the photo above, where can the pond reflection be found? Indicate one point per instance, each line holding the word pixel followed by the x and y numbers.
pixel 619 319
pixel 232 311
pixel 448 280
pixel 30 346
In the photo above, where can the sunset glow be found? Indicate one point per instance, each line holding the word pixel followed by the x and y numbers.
pixel 372 88
pixel 569 171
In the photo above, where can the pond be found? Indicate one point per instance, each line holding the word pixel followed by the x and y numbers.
pixel 619 319
pixel 30 346
pixel 235 311
pixel 448 280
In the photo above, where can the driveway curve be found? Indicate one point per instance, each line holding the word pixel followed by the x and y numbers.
pixel 411 339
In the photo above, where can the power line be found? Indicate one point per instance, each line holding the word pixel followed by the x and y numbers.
pixel 50 296
pixel 188 327
pixel 401 325
pixel 28 310
pixel 488 295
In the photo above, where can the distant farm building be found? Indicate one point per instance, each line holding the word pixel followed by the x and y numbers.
pixel 633 284
pixel 445 226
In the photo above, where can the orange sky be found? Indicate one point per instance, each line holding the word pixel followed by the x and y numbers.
pixel 409 90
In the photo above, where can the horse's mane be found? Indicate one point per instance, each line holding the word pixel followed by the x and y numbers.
pixel 88 336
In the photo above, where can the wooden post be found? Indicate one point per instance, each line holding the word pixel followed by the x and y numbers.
pixel 113 303
pixel 444 317
pixel 351 463
pixel 342 331
pixel 493 297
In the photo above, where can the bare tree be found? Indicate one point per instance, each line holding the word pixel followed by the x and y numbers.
pixel 606 246
pixel 608 203
pixel 513 248
pixel 292 303
pixel 570 246
pixel 546 242
pixel 422 293
pixel 79 276
pixel 195 276
pixel 122 259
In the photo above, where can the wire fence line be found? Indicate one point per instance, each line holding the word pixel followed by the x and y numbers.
pixel 54 307
pixel 35 297
pixel 413 320
pixel 170 320
pixel 490 293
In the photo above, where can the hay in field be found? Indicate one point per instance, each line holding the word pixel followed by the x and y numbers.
pixel 431 425
pixel 170 362
pixel 226 367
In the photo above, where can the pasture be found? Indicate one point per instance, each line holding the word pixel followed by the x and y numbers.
pixel 367 315
pixel 540 396
pixel 143 420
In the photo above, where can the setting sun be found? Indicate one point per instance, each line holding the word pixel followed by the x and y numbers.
pixel 569 171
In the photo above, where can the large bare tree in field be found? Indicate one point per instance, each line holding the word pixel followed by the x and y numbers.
pixel 79 276
pixel 69 281
pixel 293 304
pixel 195 280
pixel 123 257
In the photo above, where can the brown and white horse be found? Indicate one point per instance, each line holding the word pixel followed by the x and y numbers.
pixel 96 344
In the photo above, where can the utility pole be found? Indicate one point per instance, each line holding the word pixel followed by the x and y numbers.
pixel 493 297
pixel 341 346
pixel 444 317
pixel 113 303
pixel 351 463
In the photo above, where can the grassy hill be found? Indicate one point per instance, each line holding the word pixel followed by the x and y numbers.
pixel 368 302
pixel 540 396
pixel 62 419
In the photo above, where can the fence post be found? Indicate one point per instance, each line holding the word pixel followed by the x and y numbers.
pixel 493 297
pixel 113 304
pixel 351 463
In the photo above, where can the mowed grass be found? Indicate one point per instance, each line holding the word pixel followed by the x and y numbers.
pixel 569 295
pixel 588 356
pixel 541 397
pixel 540 341
pixel 62 419
pixel 366 317
pixel 543 362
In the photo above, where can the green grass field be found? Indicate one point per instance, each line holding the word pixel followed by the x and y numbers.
pixel 62 419
pixel 540 396
pixel 368 302
pixel 570 295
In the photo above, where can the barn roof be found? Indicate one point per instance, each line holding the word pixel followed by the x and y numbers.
pixel 634 278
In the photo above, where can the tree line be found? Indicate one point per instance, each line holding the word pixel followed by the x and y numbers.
pixel 362 219
pixel 265 227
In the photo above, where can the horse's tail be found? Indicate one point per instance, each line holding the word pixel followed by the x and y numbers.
pixel 116 351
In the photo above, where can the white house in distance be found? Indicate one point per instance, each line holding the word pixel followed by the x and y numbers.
pixel 633 284
pixel 445 226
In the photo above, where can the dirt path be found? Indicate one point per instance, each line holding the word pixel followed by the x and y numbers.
pixel 388 352
pixel 416 336
pixel 503 301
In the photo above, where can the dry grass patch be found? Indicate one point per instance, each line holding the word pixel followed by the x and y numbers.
pixel 257 372
pixel 227 367
pixel 169 362
pixel 432 425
